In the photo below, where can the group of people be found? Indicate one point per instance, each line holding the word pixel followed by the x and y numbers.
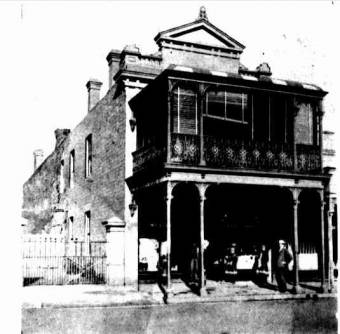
pixel 228 263
pixel 282 265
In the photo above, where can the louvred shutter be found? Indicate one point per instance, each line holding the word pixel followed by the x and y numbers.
pixel 184 111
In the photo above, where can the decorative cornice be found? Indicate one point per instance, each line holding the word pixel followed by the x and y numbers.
pixel 123 74
pixel 242 172
pixel 200 48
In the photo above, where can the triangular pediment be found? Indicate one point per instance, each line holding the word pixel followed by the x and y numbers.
pixel 202 36
pixel 200 32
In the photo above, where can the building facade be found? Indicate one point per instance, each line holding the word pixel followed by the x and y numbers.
pixel 189 148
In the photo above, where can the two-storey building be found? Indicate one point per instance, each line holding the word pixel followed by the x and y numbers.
pixel 190 148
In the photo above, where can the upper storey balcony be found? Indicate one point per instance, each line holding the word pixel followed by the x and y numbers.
pixel 220 123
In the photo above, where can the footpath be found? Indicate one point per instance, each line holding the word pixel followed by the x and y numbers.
pixel 62 296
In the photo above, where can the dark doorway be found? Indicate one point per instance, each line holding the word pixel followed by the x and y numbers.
pixel 184 228
pixel 241 219
pixel 309 223
pixel 151 232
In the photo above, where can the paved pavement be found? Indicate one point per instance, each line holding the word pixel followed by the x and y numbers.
pixel 270 316
pixel 150 294
pixel 87 295
pixel 244 290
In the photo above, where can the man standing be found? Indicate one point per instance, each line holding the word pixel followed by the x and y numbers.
pixel 283 259
pixel 261 265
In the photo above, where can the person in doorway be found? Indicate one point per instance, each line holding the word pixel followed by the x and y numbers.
pixel 206 259
pixel 230 262
pixel 261 264
pixel 194 260
pixel 283 259
pixel 162 262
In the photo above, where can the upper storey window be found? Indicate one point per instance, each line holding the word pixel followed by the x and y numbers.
pixel 72 168
pixel 272 121
pixel 62 181
pixel 184 111
pixel 87 226
pixel 304 124
pixel 88 156
pixel 227 105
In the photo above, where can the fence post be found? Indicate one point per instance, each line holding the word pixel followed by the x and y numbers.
pixel 75 247
pixel 115 228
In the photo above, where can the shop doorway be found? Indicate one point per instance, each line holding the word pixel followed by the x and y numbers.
pixel 241 222
pixel 184 229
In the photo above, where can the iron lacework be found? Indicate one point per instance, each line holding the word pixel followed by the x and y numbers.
pixel 220 152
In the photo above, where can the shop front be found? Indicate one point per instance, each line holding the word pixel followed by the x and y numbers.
pixel 229 231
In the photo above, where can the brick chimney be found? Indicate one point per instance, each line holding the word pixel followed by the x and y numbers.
pixel 93 87
pixel 113 60
pixel 60 135
pixel 264 69
pixel 38 156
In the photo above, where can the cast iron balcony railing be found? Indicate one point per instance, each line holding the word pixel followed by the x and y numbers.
pixel 224 153
pixel 148 156
pixel 308 158
pixel 185 149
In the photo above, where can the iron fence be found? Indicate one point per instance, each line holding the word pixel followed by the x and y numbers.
pixel 53 261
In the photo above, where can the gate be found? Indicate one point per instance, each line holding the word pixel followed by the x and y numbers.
pixel 54 261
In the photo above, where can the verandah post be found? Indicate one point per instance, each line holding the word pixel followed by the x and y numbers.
pixel 296 283
pixel 169 187
pixel 295 113
pixel 202 189
pixel 322 234
pixel 200 104
pixel 330 213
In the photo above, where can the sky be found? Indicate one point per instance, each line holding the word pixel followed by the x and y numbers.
pixel 49 50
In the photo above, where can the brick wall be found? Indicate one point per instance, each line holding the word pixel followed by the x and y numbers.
pixel 103 193
pixel 41 193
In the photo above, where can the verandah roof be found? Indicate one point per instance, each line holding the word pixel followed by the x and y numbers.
pixel 264 82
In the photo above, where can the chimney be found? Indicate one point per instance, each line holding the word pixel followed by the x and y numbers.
pixel 60 135
pixel 113 59
pixel 38 158
pixel 130 53
pixel 93 87
pixel 264 69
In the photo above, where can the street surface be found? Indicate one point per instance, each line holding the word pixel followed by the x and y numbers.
pixel 280 316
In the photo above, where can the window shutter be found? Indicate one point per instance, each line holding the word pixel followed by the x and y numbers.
pixel 304 125
pixel 184 111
